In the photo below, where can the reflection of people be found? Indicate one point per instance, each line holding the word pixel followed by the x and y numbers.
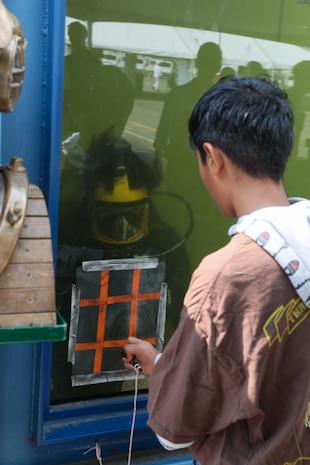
pixel 297 92
pixel 238 360
pixel 80 55
pixel 171 141
pixel 227 71
pixel 299 162
pixel 253 69
pixel 172 132
pixel 78 68
pixel 156 75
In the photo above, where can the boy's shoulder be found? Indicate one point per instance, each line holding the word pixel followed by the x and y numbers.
pixel 241 265
pixel 238 253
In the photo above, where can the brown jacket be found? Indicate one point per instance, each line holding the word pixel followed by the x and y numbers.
pixel 235 376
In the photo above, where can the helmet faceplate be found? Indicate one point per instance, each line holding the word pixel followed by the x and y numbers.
pixel 120 217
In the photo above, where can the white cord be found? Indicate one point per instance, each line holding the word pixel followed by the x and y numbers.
pixel 98 453
pixel 97 445
pixel 133 417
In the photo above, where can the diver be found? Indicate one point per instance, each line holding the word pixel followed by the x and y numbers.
pixel 116 219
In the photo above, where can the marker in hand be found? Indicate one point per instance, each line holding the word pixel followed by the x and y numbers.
pixel 134 363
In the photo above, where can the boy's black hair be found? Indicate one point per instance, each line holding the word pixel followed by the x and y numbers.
pixel 250 120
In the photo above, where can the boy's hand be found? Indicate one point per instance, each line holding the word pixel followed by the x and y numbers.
pixel 141 351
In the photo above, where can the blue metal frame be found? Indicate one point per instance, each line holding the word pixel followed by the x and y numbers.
pixel 53 65
pixel 71 430
pixel 70 427
pixel 75 427
pixel 68 432
pixel 32 431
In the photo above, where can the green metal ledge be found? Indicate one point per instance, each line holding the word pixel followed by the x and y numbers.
pixel 50 333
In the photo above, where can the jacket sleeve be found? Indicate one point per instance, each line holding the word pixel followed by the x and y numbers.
pixel 192 393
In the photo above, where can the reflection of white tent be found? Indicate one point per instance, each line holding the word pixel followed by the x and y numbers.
pixel 179 42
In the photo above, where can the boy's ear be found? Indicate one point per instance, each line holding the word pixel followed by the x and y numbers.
pixel 214 157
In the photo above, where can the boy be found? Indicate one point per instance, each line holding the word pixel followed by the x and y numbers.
pixel 233 382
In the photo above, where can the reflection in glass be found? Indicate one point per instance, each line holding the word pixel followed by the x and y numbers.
pixel 129 181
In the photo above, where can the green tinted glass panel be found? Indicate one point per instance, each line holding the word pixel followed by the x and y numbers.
pixel 129 183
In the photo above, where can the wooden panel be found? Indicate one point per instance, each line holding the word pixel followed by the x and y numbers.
pixel 36 228
pixel 33 251
pixel 38 275
pixel 27 284
pixel 20 319
pixel 27 301
pixel 36 207
pixel 34 192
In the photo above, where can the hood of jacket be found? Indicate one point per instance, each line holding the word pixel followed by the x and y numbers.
pixel 284 233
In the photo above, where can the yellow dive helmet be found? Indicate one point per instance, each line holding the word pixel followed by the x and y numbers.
pixel 120 217
pixel 12 62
